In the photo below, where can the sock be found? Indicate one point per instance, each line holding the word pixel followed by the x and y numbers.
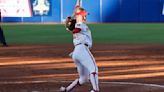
pixel 94 81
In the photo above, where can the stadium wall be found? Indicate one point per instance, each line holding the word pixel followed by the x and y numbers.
pixel 101 11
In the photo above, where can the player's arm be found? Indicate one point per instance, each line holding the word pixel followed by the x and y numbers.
pixel 78 3
pixel 76 30
pixel 71 21
pixel 70 24
pixel 76 6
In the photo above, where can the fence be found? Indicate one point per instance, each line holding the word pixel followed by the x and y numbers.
pixel 101 11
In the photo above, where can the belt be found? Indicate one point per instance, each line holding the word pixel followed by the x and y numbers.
pixel 82 43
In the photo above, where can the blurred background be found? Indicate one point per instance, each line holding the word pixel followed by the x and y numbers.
pixel 100 10
pixel 128 38
pixel 112 21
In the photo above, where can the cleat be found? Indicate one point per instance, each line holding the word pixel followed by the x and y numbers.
pixel 63 89
pixel 94 91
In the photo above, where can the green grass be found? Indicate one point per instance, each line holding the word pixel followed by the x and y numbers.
pixel 102 33
pixel 129 33
pixel 36 34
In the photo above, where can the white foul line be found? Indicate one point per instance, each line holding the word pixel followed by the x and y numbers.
pixel 53 81
pixel 138 84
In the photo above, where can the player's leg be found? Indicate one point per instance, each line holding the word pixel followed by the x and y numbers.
pixel 2 38
pixel 1 34
pixel 80 80
pixel 83 74
pixel 83 78
pixel 94 74
pixel 94 81
pixel 74 84
pixel 90 63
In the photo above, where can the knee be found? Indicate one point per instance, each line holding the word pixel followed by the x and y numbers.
pixel 94 73
pixel 93 70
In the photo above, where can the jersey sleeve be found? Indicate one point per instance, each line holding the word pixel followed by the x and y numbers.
pixel 78 28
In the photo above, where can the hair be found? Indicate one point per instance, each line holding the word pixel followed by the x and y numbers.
pixel 81 9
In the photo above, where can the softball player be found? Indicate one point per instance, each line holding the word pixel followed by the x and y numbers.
pixel 82 57
pixel 2 37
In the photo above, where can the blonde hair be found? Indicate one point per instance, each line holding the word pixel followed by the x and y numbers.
pixel 81 9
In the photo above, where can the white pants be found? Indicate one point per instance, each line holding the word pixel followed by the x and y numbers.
pixel 85 63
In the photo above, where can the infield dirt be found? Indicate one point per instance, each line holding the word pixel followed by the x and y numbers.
pixel 44 68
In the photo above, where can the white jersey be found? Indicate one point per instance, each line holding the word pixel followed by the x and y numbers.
pixel 84 36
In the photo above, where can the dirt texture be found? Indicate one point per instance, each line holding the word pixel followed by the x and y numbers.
pixel 45 68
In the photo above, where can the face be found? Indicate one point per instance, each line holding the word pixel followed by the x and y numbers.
pixel 81 14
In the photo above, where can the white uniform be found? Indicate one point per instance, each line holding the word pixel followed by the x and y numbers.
pixel 84 60
pixel 84 36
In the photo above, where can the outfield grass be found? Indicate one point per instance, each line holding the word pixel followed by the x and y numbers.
pixel 102 33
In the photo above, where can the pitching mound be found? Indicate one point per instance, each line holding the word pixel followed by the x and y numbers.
pixel 122 68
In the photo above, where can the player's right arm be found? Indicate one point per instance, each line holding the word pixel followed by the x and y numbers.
pixel 77 6
pixel 71 21
pixel 78 3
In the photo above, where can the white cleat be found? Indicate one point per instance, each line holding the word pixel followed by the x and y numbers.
pixel 93 91
pixel 63 89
